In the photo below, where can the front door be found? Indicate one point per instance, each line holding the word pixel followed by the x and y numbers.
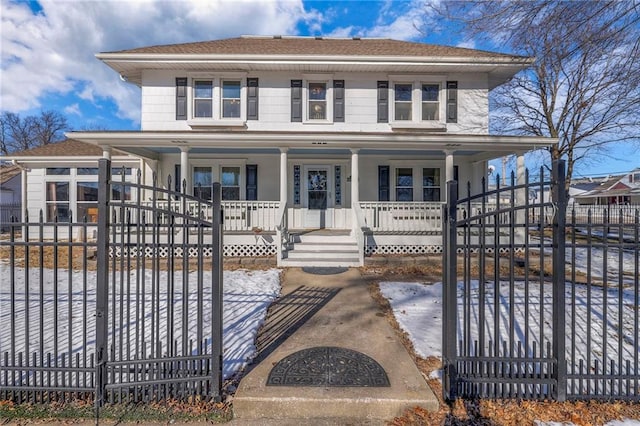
pixel 317 196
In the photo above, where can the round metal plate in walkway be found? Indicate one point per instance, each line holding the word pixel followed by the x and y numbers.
pixel 324 270
pixel 328 366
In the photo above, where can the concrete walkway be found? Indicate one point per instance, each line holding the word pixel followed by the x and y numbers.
pixel 329 310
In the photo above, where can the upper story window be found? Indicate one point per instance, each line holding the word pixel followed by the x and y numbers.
pixel 430 102
pixel 231 99
pixel 403 103
pixel 224 99
pixel 415 102
pixel 203 98
pixel 317 101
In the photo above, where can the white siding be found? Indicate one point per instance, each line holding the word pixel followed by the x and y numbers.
pixel 158 102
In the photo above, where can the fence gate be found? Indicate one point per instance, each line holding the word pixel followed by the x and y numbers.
pixel 144 324
pixel 503 299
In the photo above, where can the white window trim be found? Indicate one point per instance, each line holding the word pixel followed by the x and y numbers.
pixel 422 187
pixel 73 178
pixel 216 173
pixel 416 102
pixel 327 79
pixel 217 81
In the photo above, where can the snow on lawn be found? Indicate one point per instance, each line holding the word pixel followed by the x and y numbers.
pixel 417 308
pixel 247 295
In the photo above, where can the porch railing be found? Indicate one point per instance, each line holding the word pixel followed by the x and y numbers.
pixel 409 217
pixel 238 215
pixel 612 213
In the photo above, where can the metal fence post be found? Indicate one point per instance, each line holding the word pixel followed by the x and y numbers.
pixel 449 291
pixel 102 279
pixel 217 219
pixel 559 198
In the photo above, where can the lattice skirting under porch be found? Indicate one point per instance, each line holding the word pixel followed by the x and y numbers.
pixel 429 249
pixel 403 249
pixel 231 250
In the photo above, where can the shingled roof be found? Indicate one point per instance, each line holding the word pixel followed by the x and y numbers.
pixel 321 46
pixel 69 147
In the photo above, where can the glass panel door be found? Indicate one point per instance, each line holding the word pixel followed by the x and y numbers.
pixel 317 188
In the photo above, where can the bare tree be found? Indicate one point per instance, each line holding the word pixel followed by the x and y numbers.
pixel 20 134
pixel 584 86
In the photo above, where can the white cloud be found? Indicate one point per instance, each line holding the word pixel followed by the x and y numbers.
pixel 73 109
pixel 396 20
pixel 469 44
pixel 53 51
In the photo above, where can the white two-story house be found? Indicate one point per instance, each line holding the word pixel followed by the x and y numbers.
pixel 355 137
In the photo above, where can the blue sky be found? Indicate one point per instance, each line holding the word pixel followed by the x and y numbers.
pixel 48 47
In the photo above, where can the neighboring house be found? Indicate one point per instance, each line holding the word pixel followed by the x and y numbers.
pixel 355 136
pixel 610 190
pixel 10 192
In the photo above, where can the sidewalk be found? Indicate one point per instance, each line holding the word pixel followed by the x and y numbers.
pixel 335 311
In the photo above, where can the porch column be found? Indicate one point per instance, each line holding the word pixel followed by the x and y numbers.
pixel 355 178
pixel 106 152
pixel 283 175
pixel 448 166
pixel 184 169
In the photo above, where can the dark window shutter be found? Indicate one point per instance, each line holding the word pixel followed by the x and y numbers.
pixel 252 98
pixel 383 102
pixel 252 182
pixel 181 98
pixel 452 101
pixel 338 101
pixel 383 183
pixel 177 179
pixel 296 100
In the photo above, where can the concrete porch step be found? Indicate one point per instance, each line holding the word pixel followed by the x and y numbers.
pixel 329 246
pixel 305 253
pixel 317 262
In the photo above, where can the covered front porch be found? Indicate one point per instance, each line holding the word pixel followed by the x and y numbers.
pixel 382 193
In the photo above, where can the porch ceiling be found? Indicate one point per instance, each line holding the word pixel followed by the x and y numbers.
pixel 151 144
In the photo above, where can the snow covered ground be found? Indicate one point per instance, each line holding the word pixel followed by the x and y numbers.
pixel 247 295
pixel 418 309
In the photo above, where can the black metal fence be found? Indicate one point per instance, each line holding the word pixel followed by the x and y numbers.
pixel 540 308
pixel 8 211
pixel 82 321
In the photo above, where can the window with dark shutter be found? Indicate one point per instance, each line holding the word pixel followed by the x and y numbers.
pixel 452 101
pixel 252 182
pixel 296 100
pixel 383 183
pixel 338 101
pixel 252 98
pixel 383 102
pixel 181 98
